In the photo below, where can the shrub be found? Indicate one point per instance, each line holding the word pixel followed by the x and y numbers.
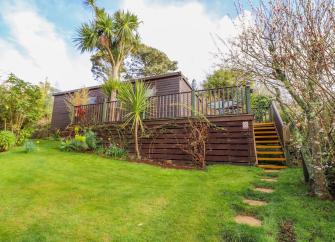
pixel 260 105
pixel 29 146
pixel 91 139
pixel 41 132
pixel 115 151
pixel 56 134
pixel 23 135
pixel 7 140
pixel 80 138
pixel 73 145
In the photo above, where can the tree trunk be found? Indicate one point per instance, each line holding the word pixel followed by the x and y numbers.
pixel 138 155
pixel 319 181
pixel 116 71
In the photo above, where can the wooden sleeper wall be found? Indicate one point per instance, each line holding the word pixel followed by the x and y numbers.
pixel 229 142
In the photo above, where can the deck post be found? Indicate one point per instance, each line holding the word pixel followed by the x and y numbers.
pixel 104 111
pixel 247 97
pixel 194 84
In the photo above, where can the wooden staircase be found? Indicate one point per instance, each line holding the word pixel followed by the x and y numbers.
pixel 269 151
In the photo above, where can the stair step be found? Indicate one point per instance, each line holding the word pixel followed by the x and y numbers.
pixel 270 152
pixel 265 132
pixel 266 136
pixel 264 128
pixel 263 124
pixel 272 167
pixel 268 146
pixel 267 141
pixel 271 159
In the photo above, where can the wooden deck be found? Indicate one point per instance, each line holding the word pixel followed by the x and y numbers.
pixel 230 139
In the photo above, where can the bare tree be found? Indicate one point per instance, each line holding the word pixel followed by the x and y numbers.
pixel 290 48
pixel 195 142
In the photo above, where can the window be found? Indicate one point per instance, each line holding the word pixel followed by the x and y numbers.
pixel 152 90
pixel 92 100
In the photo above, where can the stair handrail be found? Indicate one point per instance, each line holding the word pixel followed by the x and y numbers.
pixel 276 118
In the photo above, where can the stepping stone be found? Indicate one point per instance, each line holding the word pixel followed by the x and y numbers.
pixel 269 179
pixel 265 190
pixel 255 202
pixel 271 171
pixel 248 220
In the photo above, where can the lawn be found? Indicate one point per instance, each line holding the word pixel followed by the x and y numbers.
pixel 50 195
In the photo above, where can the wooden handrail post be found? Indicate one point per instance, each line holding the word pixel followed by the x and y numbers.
pixel 194 84
pixel 72 115
pixel 104 111
pixel 247 97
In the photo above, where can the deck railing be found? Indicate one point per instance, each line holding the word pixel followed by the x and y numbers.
pixel 212 102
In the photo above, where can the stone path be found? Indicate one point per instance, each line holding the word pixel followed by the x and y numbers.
pixel 269 179
pixel 271 171
pixel 265 190
pixel 254 202
pixel 250 220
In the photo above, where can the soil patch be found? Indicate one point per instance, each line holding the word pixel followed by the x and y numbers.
pixel 255 202
pixel 248 220
pixel 265 190
pixel 286 232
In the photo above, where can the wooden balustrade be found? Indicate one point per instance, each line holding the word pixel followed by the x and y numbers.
pixel 212 102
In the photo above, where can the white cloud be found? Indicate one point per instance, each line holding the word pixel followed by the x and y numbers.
pixel 184 32
pixel 35 51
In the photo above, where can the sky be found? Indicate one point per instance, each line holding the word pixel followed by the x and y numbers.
pixel 36 36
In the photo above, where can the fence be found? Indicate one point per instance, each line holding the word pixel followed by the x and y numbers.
pixel 212 102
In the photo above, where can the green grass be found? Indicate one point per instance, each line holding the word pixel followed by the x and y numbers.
pixel 50 195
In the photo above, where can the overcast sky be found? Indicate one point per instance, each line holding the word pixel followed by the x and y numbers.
pixel 36 36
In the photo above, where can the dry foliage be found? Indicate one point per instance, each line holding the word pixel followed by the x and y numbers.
pixel 195 142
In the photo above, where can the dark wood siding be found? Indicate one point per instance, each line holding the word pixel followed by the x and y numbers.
pixel 60 115
pixel 184 86
pixel 164 85
pixel 167 85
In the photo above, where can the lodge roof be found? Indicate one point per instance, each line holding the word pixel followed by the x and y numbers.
pixel 148 78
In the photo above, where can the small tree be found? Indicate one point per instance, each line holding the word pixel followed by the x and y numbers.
pixel 147 61
pixel 20 106
pixel 134 100
pixel 222 78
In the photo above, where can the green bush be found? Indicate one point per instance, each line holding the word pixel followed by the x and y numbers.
pixel 91 139
pixel 56 135
pixel 73 145
pixel 23 135
pixel 29 146
pixel 260 105
pixel 7 140
pixel 115 151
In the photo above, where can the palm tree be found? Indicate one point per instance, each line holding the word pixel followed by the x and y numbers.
pixel 110 38
pixel 135 101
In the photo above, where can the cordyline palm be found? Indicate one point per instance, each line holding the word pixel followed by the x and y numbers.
pixel 135 101
pixel 109 37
